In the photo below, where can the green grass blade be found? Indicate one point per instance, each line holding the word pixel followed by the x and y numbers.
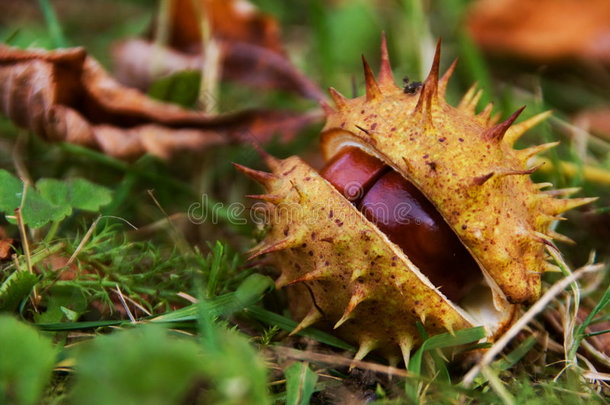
pixel 475 66
pixel 513 357
pixel 15 289
pixel 248 293
pixel 215 269
pixel 55 30
pixel 580 331
pixel 300 383
pixel 68 326
pixel 443 340
pixel 288 324
pixel 600 332
pixel 461 337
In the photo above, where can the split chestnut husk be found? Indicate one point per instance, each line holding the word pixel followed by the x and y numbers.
pixel 423 213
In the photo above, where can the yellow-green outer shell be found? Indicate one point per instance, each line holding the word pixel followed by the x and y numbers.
pixel 342 271
pixel 320 239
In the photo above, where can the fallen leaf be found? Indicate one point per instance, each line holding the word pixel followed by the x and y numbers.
pixel 65 95
pixel 543 30
pixel 6 245
pixel 250 49
pixel 231 20
pixel 595 120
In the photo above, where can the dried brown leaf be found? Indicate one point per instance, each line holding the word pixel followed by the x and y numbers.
pixel 6 247
pixel 543 30
pixel 250 46
pixel 230 20
pixel 64 95
pixel 595 120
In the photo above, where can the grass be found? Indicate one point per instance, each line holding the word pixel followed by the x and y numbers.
pixel 148 300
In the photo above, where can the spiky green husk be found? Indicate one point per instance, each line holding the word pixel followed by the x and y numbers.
pixel 465 165
pixel 342 272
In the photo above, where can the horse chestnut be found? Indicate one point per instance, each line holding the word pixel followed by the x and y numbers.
pixel 406 217
pixel 424 214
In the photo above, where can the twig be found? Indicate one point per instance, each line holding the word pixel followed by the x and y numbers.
pixel 341 361
pixel 161 34
pixel 596 375
pixel 211 68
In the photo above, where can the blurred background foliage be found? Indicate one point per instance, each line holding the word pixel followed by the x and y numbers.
pixel 168 255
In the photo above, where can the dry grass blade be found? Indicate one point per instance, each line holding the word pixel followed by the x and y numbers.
pixel 535 309
pixel 338 360
pixel 84 240
pixel 124 303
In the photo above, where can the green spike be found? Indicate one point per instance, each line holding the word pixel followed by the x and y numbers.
pixel 555 206
pixel 315 274
pixel 367 345
pixel 468 97
pixel 358 296
pixel 312 317
pixel 270 198
pixel 264 178
pixel 561 238
pixel 406 343
pixel 340 100
pixel 282 244
pixel 516 131
pixel 525 154
pixel 442 83
pixel 563 192
pixel 372 88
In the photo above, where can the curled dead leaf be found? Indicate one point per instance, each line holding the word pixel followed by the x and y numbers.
pixel 250 48
pixel 543 30
pixel 65 95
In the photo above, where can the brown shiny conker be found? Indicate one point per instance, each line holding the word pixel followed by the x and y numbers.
pixel 406 217
pixel 353 172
